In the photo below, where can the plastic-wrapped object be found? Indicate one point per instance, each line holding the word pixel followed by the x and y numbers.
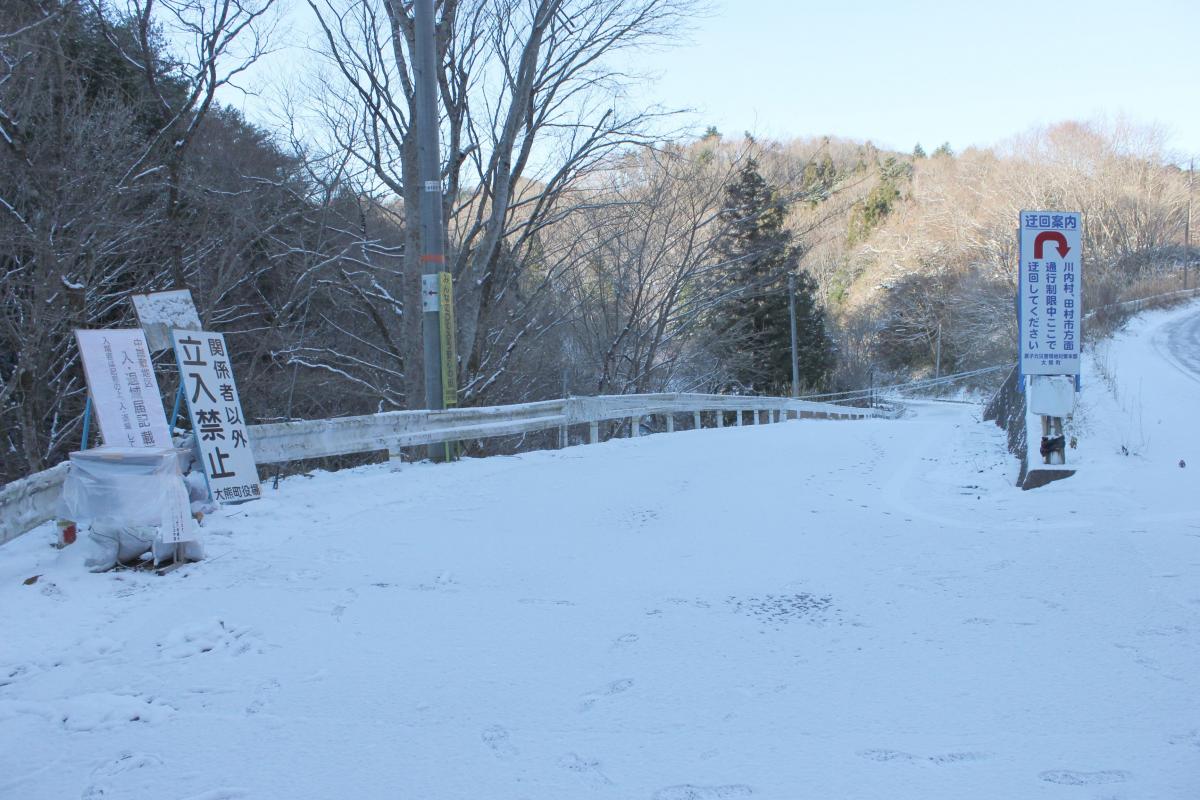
pixel 133 500
pixel 114 544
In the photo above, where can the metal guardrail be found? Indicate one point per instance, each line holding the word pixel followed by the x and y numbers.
pixel 1143 302
pixel 858 395
pixel 293 441
pixel 27 503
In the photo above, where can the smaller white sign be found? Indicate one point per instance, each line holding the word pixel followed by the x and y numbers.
pixel 160 312
pixel 215 409
pixel 177 524
pixel 429 292
pixel 124 391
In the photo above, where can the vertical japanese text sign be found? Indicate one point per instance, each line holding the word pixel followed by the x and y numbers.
pixel 449 351
pixel 1049 304
pixel 216 413
pixel 124 390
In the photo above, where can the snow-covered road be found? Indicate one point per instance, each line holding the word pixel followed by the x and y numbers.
pixel 1181 338
pixel 815 609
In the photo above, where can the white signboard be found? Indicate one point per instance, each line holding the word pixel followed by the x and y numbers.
pixel 1049 306
pixel 161 312
pixel 123 388
pixel 216 413
pixel 429 292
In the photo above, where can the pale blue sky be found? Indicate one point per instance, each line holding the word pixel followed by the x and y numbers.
pixel 907 71
pixel 921 70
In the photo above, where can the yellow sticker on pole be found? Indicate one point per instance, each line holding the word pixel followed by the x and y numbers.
pixel 449 349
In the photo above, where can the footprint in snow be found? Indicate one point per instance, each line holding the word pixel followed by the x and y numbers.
pixel 614 688
pixel 955 758
pixel 1069 777
pixel 1190 738
pixel 96 648
pixel 886 755
pixel 262 697
pixel 497 739
pixel 106 711
pixel 882 755
pixel 208 637
pixel 588 769
pixel 103 775
pixel 220 794
pixel 689 791
pixel 11 673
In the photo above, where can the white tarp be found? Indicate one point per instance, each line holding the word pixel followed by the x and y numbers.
pixel 132 500
pixel 216 413
pixel 123 388
pixel 1050 282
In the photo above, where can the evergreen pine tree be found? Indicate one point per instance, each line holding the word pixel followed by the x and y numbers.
pixel 944 149
pixel 752 325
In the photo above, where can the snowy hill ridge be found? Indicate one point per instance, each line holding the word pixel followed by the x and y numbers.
pixel 812 609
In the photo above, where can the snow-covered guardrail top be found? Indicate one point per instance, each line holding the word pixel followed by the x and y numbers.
pixel 291 441
pixel 29 502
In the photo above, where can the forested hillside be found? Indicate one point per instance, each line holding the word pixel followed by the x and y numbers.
pixel 591 251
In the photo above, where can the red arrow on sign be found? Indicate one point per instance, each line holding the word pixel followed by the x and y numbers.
pixel 1039 243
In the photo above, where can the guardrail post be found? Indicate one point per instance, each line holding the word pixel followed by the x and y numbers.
pixel 562 437
pixel 720 418
pixel 670 423
pixel 696 420
pixel 593 432
pixel 738 415
pixel 633 426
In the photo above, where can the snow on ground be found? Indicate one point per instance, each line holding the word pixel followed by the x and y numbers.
pixel 809 610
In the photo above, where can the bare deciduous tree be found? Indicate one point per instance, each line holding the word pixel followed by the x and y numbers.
pixel 531 98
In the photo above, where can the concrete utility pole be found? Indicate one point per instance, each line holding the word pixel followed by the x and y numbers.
pixel 792 315
pixel 433 254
